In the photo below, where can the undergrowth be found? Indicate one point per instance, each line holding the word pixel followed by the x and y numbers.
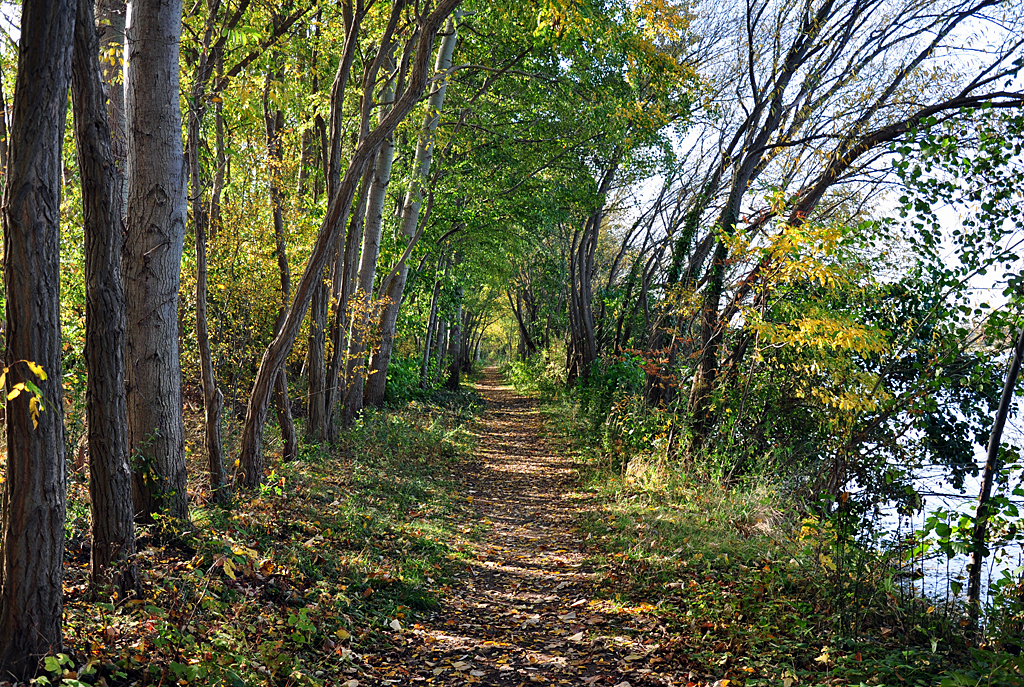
pixel 752 587
pixel 289 585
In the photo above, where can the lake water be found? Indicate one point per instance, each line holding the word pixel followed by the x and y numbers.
pixel 937 494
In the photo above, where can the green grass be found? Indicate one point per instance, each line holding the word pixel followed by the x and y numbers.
pixel 283 587
pixel 752 589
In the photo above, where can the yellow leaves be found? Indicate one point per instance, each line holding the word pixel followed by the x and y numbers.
pixel 822 330
pixel 244 551
pixel 661 20
pixel 35 403
pixel 15 391
pixel 36 369
pixel 33 409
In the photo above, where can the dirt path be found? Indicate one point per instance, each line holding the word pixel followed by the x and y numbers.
pixel 524 611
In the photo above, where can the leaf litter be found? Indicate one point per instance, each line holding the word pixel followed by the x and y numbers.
pixel 527 607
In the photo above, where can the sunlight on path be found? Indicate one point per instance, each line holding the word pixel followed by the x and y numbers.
pixel 523 611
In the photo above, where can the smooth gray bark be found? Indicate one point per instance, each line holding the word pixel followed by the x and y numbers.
pixel 394 289
pixel 431 332
pixel 358 341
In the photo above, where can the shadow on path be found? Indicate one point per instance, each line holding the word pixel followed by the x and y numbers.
pixel 523 611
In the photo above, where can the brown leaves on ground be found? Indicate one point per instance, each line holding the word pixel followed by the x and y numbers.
pixel 525 609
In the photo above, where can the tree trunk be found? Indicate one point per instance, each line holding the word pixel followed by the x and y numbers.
pixel 110 477
pixel 316 376
pixel 157 209
pixel 368 263
pixel 274 122
pixel 340 373
pixel 701 417
pixel 213 398
pixel 984 512
pixel 410 217
pixel 251 453
pixel 33 504
pixel 431 332
pixel 3 133
pixel 455 339
pixel 222 162
pixel 316 368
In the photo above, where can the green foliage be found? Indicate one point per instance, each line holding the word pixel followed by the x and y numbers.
pixel 540 375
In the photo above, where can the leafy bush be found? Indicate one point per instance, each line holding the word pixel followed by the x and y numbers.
pixel 540 374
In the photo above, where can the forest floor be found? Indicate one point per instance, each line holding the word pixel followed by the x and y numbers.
pixel 526 608
pixel 446 543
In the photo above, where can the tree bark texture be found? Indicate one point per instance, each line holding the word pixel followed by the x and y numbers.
pixel 33 501
pixel 111 16
pixel 251 453
pixel 110 477
pixel 375 385
pixel 155 240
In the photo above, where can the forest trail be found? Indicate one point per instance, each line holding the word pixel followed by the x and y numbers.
pixel 525 608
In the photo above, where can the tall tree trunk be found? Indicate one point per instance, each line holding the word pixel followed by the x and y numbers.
pixel 157 209
pixel 368 261
pixel 3 133
pixel 431 327
pixel 33 503
pixel 984 512
pixel 340 371
pixel 251 453
pixel 222 161
pixel 701 417
pixel 455 339
pixel 410 217
pixel 316 368
pixel 316 376
pixel 213 398
pixel 110 477
pixel 274 122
